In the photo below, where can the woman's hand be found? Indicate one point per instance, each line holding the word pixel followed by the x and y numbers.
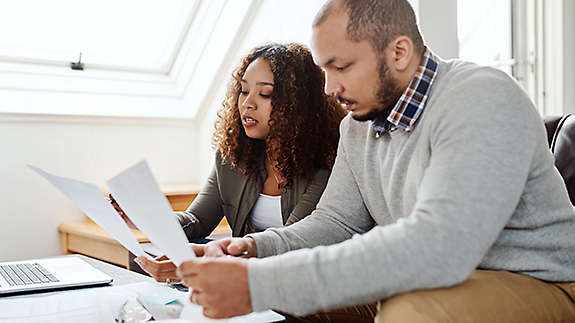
pixel 121 212
pixel 162 269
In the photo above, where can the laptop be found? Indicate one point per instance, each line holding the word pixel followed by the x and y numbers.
pixel 29 276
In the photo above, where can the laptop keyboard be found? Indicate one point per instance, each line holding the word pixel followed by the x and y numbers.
pixel 26 274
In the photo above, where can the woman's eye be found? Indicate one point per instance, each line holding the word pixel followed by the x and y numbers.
pixel 244 92
pixel 266 96
pixel 342 68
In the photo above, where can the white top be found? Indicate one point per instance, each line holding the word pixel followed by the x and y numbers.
pixel 267 212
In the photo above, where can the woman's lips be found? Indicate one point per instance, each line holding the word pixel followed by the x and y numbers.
pixel 249 121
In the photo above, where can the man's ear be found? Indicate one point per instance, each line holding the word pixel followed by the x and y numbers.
pixel 400 52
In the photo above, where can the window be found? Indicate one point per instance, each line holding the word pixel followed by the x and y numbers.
pixel 133 35
pixel 520 37
pixel 143 58
pixel 139 55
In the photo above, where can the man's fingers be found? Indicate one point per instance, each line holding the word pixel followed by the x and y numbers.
pixel 207 312
pixel 220 285
pixel 217 248
pixel 233 246
pixel 191 281
pixel 210 313
pixel 197 297
pixel 243 247
pixel 188 269
pixel 237 247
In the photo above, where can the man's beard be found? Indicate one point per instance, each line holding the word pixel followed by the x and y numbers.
pixel 388 93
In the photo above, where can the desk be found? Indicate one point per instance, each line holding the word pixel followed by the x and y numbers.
pixel 84 304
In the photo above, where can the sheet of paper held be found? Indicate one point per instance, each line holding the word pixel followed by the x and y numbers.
pixel 90 199
pixel 138 194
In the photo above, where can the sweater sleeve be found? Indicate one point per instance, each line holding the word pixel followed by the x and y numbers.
pixel 480 160
pixel 205 212
pixel 331 221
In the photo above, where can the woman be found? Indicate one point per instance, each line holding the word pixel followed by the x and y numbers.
pixel 276 139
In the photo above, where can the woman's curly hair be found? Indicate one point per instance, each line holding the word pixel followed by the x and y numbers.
pixel 303 123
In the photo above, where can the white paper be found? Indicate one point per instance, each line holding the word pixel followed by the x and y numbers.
pixel 91 200
pixel 55 309
pixel 103 304
pixel 138 194
pixel 90 305
pixel 194 313
pixel 265 316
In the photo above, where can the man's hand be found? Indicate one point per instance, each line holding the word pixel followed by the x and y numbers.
pixel 220 285
pixel 245 247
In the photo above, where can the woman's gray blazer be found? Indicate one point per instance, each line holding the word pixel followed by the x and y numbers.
pixel 229 192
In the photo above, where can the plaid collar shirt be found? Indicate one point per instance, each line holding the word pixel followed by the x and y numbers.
pixel 407 110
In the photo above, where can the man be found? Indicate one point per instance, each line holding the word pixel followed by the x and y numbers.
pixel 443 205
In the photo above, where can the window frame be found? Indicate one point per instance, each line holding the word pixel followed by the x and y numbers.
pixel 538 49
pixel 17 57
pixel 26 85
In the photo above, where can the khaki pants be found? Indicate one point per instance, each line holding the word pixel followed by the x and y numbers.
pixel 486 296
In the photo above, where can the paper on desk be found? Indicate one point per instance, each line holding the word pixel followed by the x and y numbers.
pixel 95 305
pixel 91 200
pixel 63 307
pixel 102 304
pixel 138 194
pixel 193 313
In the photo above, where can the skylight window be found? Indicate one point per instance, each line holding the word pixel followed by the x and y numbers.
pixel 132 35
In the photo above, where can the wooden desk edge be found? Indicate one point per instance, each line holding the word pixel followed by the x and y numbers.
pixel 95 231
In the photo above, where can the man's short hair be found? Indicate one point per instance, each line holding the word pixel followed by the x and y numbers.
pixel 379 21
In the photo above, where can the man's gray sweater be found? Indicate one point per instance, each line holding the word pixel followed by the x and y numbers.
pixel 472 186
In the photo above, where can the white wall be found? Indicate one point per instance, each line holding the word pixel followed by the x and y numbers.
pixel 438 24
pixel 83 148
pixel 569 56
